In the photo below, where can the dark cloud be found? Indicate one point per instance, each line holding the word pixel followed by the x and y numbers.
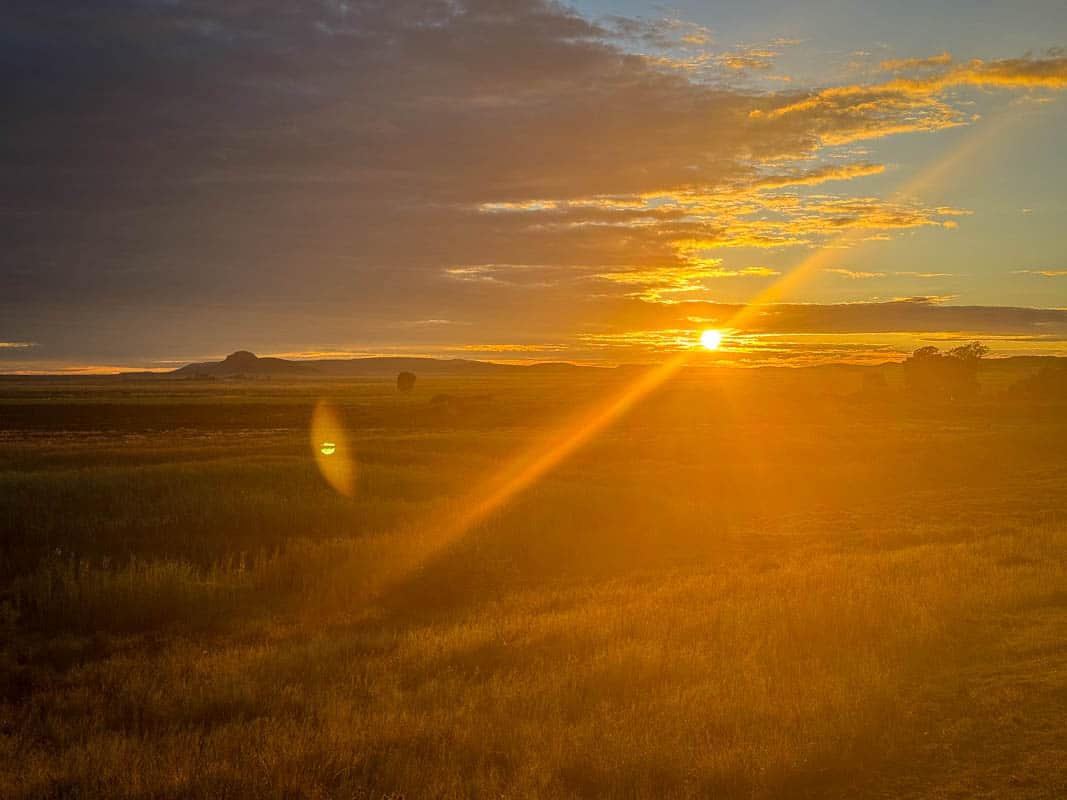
pixel 172 170
pixel 914 314
pixel 150 147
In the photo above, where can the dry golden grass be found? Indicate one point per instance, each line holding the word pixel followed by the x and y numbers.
pixel 713 600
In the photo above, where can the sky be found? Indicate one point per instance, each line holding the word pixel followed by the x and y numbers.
pixel 528 180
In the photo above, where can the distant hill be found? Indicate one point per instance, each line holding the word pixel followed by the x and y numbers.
pixel 996 374
pixel 244 363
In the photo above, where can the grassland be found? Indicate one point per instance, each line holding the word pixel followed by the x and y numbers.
pixel 750 586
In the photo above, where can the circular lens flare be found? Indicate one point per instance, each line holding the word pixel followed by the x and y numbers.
pixel 711 339
pixel 329 443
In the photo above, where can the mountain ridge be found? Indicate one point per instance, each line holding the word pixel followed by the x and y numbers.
pixel 246 363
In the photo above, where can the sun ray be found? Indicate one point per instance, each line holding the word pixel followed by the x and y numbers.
pixel 525 469
pixel 923 181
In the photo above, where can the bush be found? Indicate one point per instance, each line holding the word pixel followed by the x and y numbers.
pixel 934 375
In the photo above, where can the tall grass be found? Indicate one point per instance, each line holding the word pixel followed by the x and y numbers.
pixel 715 599
pixel 689 683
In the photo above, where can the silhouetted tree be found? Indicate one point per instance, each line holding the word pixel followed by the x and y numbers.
pixel 405 381
pixel 972 352
pixel 934 375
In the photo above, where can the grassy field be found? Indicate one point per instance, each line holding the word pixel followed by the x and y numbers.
pixel 751 586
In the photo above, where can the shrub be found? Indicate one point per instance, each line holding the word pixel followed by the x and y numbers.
pixel 934 375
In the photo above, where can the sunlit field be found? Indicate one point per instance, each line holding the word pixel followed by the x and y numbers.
pixel 751 585
pixel 533 400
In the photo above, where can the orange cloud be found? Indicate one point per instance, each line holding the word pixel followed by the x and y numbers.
pixel 853 274
pixel 467 183
pixel 1048 73
pixel 512 348
pixel 754 59
pixel 843 172
pixel 901 65
pixel 656 282
pixel 926 298
pixel 844 114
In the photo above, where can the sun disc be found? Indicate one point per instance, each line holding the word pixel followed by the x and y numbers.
pixel 711 339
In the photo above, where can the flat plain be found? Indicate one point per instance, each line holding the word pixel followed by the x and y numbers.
pixel 752 584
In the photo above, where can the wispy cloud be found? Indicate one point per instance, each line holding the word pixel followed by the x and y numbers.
pixel 754 58
pixel 658 283
pixel 926 298
pixel 905 64
pixel 428 323
pixel 846 113
pixel 664 33
pixel 84 369
pixel 1045 273
pixel 513 348
pixel 853 274
pixel 830 172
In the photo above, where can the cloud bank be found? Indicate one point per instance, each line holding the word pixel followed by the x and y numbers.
pixel 329 169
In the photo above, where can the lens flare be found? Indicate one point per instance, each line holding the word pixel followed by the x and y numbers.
pixel 525 469
pixel 329 443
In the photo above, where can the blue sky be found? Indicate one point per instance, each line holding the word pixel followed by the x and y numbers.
pixel 1014 180
pixel 833 29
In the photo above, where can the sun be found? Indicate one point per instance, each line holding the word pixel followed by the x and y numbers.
pixel 711 339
